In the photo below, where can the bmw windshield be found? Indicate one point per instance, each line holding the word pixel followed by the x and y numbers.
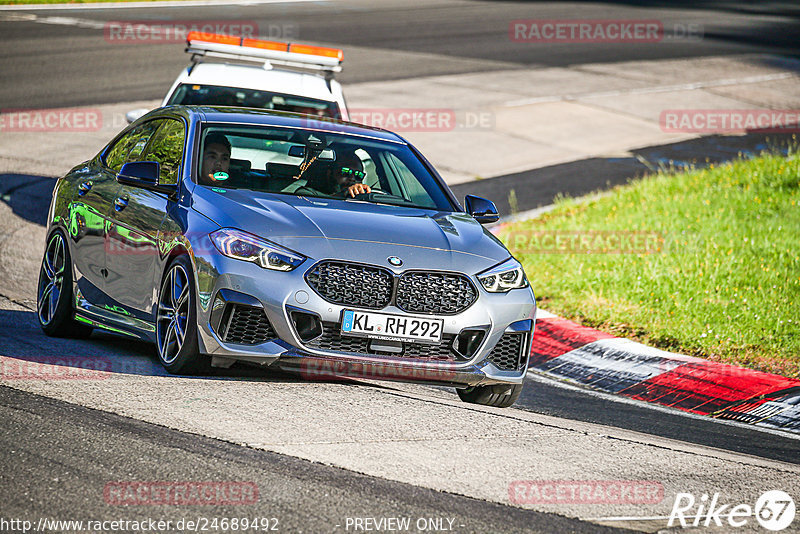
pixel 317 164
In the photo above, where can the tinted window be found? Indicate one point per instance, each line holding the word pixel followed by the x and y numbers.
pixel 167 149
pixel 317 164
pixel 131 145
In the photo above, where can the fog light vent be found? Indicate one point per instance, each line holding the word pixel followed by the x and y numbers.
pixel 307 325
pixel 246 325
pixel 466 344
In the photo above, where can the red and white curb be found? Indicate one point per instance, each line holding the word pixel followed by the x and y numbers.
pixel 568 351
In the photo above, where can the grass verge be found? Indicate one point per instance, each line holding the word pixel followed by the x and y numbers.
pixel 704 263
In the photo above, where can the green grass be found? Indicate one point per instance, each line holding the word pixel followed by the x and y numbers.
pixel 722 280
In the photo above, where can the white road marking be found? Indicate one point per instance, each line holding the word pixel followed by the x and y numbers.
pixel 544 314
pixel 649 90
pixel 135 5
pixel 653 518
pixel 70 21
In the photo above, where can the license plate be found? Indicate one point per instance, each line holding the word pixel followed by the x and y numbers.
pixel 392 327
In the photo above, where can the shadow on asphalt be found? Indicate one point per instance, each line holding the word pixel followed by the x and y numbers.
pixel 540 187
pixel 27 195
pixel 110 353
pixel 549 397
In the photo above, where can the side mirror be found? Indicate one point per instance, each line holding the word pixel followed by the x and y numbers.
pixel 484 211
pixel 135 114
pixel 144 174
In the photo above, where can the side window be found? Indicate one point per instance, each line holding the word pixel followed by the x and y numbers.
pixel 131 145
pixel 167 149
pixel 407 184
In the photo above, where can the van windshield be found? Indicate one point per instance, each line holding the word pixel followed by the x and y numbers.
pixel 213 95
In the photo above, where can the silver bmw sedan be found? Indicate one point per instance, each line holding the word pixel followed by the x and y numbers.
pixel 315 246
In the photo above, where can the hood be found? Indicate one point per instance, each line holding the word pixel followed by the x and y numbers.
pixel 356 231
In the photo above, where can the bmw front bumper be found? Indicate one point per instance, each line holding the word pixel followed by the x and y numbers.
pixel 491 337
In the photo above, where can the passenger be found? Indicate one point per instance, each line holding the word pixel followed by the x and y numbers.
pixel 216 160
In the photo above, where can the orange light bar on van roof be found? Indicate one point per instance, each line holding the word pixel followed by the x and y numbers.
pixel 213 38
pixel 316 51
pixel 266 45
pixel 294 48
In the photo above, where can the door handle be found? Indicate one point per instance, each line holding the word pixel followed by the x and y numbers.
pixel 120 203
pixel 85 187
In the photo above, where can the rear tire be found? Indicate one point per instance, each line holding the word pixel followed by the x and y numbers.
pixel 176 321
pixel 486 396
pixel 54 292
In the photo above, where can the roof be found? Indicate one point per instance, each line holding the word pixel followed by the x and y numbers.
pixel 259 78
pixel 284 119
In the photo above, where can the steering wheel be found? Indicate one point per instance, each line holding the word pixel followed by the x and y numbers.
pixel 379 196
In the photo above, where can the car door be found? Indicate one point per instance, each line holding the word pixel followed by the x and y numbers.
pixel 132 257
pixel 88 217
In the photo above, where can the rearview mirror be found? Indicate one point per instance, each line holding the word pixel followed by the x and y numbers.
pixel 298 151
pixel 484 211
pixel 144 174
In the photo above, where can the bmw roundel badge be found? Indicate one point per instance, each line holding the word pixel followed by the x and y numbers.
pixel 394 260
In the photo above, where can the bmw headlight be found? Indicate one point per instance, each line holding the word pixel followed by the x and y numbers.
pixel 504 277
pixel 240 245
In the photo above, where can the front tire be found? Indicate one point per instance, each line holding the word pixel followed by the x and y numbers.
pixel 497 396
pixel 176 321
pixel 54 292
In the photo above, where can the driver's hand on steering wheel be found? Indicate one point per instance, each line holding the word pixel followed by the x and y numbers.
pixel 358 189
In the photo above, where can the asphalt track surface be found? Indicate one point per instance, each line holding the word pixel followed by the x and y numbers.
pixel 68 448
pixel 56 64
pixel 72 452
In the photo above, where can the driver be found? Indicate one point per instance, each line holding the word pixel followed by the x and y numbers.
pixel 342 178
pixel 216 160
